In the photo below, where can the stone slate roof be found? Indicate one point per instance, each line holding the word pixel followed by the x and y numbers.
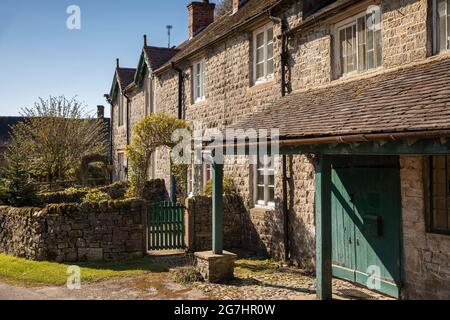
pixel 410 99
pixel 158 56
pixel 125 76
pixel 221 27
pixel 5 124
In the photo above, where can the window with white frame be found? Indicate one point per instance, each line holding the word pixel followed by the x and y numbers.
pixel 199 80
pixel 121 170
pixel 264 182
pixel 121 110
pixel 263 65
pixel 206 168
pixel 207 173
pixel 149 96
pixel 441 25
pixel 358 44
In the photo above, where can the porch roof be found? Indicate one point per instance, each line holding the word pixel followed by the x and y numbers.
pixel 415 98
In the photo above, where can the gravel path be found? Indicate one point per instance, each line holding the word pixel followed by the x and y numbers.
pixel 281 284
pixel 147 287
pixel 254 281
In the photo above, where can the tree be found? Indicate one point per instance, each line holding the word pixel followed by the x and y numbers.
pixel 223 7
pixel 56 135
pixel 149 134
pixel 17 186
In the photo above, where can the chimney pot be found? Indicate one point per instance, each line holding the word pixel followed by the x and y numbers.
pixel 145 40
pixel 201 15
pixel 100 112
pixel 117 63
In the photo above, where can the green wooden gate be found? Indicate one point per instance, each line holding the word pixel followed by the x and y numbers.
pixel 165 226
pixel 366 215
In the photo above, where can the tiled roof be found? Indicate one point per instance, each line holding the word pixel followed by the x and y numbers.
pixel 158 56
pixel 126 76
pixel 413 98
pixel 222 26
pixel 5 124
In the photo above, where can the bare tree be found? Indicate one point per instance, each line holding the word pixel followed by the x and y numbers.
pixel 223 7
pixel 55 137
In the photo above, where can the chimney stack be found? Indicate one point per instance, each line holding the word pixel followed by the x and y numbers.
pixel 100 112
pixel 145 40
pixel 201 15
pixel 117 63
pixel 237 4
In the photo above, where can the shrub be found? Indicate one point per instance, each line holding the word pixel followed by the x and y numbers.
pixel 95 196
pixel 3 192
pixel 228 187
pixel 18 189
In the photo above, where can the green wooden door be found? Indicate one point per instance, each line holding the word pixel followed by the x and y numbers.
pixel 366 211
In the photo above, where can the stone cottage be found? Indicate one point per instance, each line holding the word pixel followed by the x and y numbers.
pixel 359 91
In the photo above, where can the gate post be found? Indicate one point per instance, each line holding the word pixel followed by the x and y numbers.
pixel 217 212
pixel 323 229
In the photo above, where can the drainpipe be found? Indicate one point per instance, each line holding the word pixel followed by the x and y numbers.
pixel 284 63
pixel 111 141
pixel 180 90
pixel 173 181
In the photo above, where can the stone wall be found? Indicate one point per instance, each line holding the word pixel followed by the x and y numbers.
pixel 406 33
pixel 198 221
pixel 426 255
pixel 108 231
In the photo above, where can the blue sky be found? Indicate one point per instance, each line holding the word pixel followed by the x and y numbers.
pixel 39 56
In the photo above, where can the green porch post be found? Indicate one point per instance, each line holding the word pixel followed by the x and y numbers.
pixel 323 229
pixel 217 219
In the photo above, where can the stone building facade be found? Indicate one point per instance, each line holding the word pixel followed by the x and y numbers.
pixel 219 88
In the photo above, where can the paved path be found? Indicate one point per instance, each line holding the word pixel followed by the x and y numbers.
pixel 148 287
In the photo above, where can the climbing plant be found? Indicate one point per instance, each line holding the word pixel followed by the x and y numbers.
pixel 149 134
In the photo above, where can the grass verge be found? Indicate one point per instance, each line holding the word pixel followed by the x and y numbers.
pixel 34 273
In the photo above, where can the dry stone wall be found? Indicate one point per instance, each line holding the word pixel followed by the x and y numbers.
pixel 199 223
pixel 107 231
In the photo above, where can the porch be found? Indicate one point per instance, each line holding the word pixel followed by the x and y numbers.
pixel 359 132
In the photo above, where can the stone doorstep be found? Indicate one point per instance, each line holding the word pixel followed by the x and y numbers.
pixel 214 267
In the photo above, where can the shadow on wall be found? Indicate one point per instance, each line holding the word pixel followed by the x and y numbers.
pixel 302 240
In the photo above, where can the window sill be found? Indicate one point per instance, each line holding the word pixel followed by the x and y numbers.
pixel 438 233
pixel 260 85
pixel 270 207
pixel 199 102
pixel 356 75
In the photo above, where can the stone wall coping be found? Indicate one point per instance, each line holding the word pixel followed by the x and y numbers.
pixel 209 255
pixel 67 208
